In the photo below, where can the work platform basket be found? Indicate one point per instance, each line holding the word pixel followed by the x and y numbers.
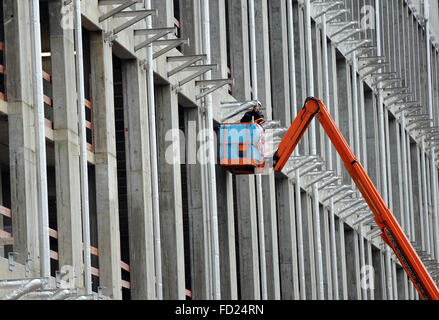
pixel 242 147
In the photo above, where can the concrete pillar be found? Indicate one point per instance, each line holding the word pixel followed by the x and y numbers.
pixel 280 83
pixel 245 185
pixel 396 170
pixel 218 49
pixel 369 261
pixel 268 181
pixel 21 131
pixel 171 216
pixel 372 137
pixel 351 242
pixel 191 26
pixel 379 268
pixel 197 208
pixel 138 171
pixel 345 109
pixel 279 108
pixel 341 259
pixel 248 238
pixel 416 193
pixel 289 271
pixel 326 251
pixel 226 227
pixel 65 123
pixel 165 17
pixel 308 247
pixel 239 48
pixel 107 203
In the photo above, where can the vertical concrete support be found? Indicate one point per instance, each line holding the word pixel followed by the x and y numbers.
pixel 341 259
pixel 107 203
pixel 371 282
pixel 226 227
pixel 65 122
pixel 309 251
pixel 271 237
pixel 21 132
pixel 351 242
pixel 196 209
pixel 165 17
pixel 379 283
pixel 245 186
pixel 239 48
pixel 396 170
pixel 171 215
pixel 218 50
pixel 248 238
pixel 190 20
pixel 289 272
pixel 280 83
pixel 268 181
pixel 344 107
pixel 140 224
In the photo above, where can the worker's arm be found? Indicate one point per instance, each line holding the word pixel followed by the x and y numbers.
pixel 392 233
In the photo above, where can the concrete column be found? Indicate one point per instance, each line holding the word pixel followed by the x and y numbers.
pixel 345 109
pixel 171 216
pixel 65 123
pixel 268 181
pixel 107 203
pixel 326 251
pixel 308 247
pixel 226 227
pixel 248 238
pixel 351 239
pixel 378 265
pixel 371 291
pixel 197 208
pixel 280 83
pixel 140 223
pixel 21 132
pixel 245 185
pixel 218 49
pixel 239 48
pixel 396 170
pixel 165 17
pixel 191 26
pixel 341 259
pixel 289 272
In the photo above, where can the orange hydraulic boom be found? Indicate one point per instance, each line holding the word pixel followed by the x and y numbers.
pixel 392 233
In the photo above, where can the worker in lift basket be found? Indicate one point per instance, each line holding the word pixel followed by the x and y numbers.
pixel 254 115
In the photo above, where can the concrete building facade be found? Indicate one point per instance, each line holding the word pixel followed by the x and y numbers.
pixel 166 223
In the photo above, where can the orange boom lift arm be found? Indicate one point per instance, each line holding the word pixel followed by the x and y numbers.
pixel 392 233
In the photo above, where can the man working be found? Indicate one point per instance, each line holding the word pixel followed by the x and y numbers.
pixel 254 115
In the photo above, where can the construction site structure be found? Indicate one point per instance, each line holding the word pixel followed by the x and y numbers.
pixel 111 182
